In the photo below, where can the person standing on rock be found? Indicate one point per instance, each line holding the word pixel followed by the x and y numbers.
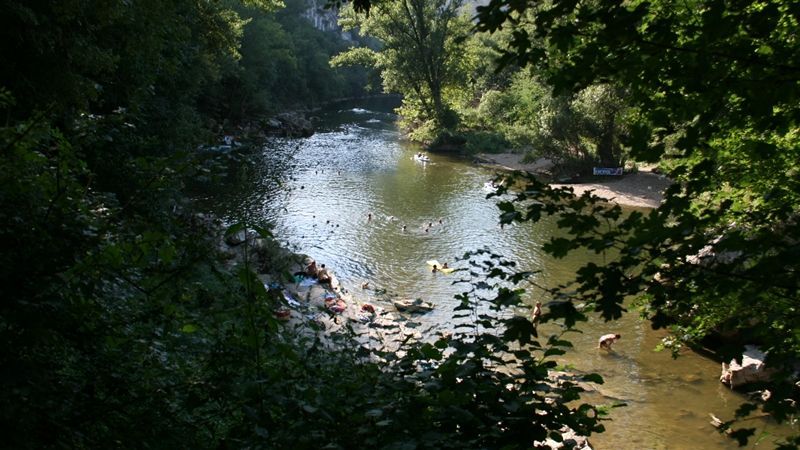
pixel 607 340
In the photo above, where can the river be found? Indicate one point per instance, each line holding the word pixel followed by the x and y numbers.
pixel 318 194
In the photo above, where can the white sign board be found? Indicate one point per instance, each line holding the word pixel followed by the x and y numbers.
pixel 607 171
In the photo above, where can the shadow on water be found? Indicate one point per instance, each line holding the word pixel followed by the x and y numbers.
pixel 352 197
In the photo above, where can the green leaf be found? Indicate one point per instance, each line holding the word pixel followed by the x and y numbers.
pixel 554 352
pixel 558 247
pixel 430 352
pixel 262 232
pixel 234 228
pixel 189 328
pixel 593 378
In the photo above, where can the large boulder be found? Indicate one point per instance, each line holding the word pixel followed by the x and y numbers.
pixel 290 124
pixel 751 370
pixel 240 237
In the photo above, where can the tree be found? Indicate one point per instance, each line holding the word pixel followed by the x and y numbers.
pixel 283 64
pixel 588 127
pixel 717 85
pixel 601 113
pixel 420 43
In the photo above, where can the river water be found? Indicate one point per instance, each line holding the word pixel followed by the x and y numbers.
pixel 345 195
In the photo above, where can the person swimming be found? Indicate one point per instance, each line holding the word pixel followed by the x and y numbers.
pixel 435 269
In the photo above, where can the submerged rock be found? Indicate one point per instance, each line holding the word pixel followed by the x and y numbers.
pixel 413 306
pixel 570 439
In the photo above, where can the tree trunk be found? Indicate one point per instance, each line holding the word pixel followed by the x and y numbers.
pixel 605 148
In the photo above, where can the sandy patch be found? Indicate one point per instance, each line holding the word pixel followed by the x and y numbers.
pixel 642 190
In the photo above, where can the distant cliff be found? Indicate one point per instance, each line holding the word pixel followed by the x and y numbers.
pixel 325 19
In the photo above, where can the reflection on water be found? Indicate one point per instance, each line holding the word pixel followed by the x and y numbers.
pixel 352 197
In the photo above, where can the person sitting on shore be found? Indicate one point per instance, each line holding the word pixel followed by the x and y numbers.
pixel 322 275
pixel 607 340
pixel 311 269
pixel 335 304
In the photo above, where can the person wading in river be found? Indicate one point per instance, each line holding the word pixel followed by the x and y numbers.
pixel 607 340
pixel 537 313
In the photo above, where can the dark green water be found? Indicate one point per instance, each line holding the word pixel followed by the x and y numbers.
pixel 319 192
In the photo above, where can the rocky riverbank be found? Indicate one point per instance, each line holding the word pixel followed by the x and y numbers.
pixel 306 304
pixel 323 310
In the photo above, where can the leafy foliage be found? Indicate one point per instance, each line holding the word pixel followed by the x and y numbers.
pixel 283 64
pixel 420 44
pixel 719 255
pixel 592 125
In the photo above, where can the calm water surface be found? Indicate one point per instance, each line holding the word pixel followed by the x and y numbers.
pixel 318 193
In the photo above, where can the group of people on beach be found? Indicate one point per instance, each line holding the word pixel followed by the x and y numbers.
pixel 321 274
pixel 336 304
pixel 333 301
